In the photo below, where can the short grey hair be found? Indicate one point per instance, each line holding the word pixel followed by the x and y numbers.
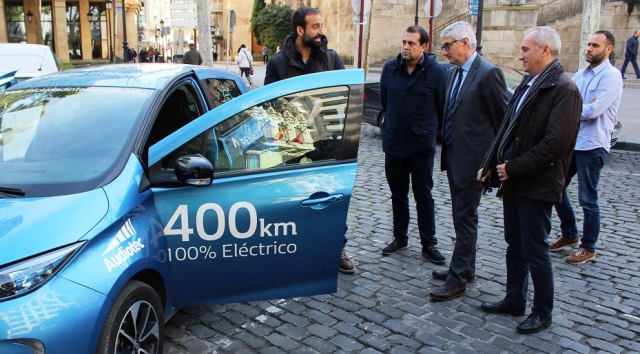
pixel 459 30
pixel 546 35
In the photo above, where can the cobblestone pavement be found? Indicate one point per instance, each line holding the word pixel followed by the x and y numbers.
pixel 384 307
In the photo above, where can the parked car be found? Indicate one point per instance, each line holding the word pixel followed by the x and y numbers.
pixel 7 80
pixel 29 60
pixel 128 191
pixel 372 112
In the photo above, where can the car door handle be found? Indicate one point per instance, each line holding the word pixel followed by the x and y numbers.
pixel 322 201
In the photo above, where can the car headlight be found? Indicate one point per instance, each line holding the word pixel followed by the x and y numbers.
pixel 22 277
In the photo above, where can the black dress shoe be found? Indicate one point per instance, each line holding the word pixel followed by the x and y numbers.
pixel 502 307
pixel 447 292
pixel 534 324
pixel 442 275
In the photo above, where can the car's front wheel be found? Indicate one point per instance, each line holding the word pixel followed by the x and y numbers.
pixel 134 323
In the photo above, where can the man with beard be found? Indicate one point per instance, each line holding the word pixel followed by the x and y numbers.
pixel 601 87
pixel 305 51
pixel 412 90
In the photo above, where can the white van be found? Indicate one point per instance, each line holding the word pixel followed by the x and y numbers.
pixel 29 59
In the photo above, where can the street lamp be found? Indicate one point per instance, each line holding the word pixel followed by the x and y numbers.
pixel 29 16
pixel 125 47
pixel 109 4
pixel 162 40
pixel 90 17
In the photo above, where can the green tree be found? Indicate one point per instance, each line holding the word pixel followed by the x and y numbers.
pixel 271 24
pixel 257 6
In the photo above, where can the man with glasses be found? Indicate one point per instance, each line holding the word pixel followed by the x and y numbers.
pixel 476 98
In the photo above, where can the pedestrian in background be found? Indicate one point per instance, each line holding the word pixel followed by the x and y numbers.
pixel 192 56
pixel 244 60
pixel 265 54
pixel 601 88
pixel 475 104
pixel 305 51
pixel 530 156
pixel 412 92
pixel 630 54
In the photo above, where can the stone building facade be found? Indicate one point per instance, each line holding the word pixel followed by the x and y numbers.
pixel 73 35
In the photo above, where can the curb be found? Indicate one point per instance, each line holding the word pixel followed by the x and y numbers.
pixel 626 146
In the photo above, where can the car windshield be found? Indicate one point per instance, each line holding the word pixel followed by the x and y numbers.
pixel 64 140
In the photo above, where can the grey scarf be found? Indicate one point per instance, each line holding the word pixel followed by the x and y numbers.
pixel 508 127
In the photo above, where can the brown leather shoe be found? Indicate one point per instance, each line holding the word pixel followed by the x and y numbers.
pixel 346 266
pixel 563 242
pixel 443 274
pixel 447 292
pixel 581 256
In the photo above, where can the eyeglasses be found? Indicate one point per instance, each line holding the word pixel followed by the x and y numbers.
pixel 447 45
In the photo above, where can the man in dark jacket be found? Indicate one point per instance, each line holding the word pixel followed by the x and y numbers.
pixel 304 52
pixel 192 56
pixel 412 92
pixel 630 54
pixel 531 155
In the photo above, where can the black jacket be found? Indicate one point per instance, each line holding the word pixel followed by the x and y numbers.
pixel 285 64
pixel 632 47
pixel 544 140
pixel 412 104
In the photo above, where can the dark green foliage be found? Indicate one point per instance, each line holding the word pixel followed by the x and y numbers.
pixel 271 25
pixel 257 6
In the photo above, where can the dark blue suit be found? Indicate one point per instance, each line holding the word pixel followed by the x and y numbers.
pixel 413 104
pixel 475 119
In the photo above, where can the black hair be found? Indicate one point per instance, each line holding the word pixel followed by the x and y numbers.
pixel 424 36
pixel 611 39
pixel 298 18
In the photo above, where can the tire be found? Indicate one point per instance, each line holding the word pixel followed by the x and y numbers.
pixel 380 121
pixel 135 323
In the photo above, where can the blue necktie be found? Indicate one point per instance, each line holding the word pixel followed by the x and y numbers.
pixel 452 100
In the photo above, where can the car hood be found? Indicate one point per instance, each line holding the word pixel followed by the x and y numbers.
pixel 29 226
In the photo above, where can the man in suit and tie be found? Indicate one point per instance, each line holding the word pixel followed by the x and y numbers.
pixel 474 108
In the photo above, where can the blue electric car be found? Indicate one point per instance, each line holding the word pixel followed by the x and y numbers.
pixel 128 191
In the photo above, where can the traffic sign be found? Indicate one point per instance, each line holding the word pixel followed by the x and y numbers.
pixel 355 4
pixel 437 8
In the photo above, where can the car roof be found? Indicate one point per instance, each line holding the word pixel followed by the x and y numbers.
pixel 150 76
pixel 27 58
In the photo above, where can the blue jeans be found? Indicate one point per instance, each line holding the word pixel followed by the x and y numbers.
pixel 588 165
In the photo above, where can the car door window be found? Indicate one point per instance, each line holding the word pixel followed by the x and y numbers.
pixel 301 128
pixel 305 127
pixel 219 91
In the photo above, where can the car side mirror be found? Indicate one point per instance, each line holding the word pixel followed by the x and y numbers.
pixel 194 170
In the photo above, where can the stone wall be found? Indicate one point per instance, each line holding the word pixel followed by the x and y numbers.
pixel 504 24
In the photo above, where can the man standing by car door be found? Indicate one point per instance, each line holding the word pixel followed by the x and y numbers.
pixel 412 90
pixel 601 87
pixel 476 102
pixel 304 52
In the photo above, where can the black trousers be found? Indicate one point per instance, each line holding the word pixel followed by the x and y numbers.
pixel 416 169
pixel 527 224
